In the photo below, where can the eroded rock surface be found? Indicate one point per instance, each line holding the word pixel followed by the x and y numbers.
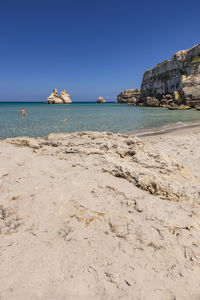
pixel 130 96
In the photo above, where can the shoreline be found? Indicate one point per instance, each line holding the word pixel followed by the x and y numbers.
pixel 163 129
pixel 145 132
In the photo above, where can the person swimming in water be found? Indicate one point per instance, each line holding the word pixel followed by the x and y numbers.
pixel 64 121
pixel 23 113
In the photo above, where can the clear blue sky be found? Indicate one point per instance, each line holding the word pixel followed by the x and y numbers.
pixel 90 48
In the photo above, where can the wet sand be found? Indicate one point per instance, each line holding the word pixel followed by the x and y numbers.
pixel 164 129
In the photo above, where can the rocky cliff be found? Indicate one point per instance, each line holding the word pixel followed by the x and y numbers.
pixel 179 74
pixel 129 96
pixel 173 82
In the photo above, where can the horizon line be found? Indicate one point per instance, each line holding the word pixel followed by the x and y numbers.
pixel 52 103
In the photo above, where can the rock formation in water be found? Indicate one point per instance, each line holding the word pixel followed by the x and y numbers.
pixel 65 97
pixel 62 99
pixel 173 82
pixel 101 100
pixel 129 96
pixel 54 98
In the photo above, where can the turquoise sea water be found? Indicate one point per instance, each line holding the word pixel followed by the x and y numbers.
pixel 42 119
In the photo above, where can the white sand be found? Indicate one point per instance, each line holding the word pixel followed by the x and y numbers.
pixel 100 216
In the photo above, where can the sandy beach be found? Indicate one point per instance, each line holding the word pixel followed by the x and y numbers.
pixel 100 216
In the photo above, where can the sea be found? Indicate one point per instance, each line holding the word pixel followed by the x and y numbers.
pixel 42 119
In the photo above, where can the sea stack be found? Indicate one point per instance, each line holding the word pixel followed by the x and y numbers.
pixel 54 98
pixel 101 100
pixel 65 97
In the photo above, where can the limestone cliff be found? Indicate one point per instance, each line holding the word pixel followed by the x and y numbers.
pixel 178 77
pixel 174 82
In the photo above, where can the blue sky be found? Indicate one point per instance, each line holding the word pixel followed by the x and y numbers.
pixel 90 48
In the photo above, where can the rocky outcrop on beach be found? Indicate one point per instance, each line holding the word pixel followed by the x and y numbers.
pixel 130 96
pixel 174 106
pixel 93 215
pixel 54 98
pixel 171 83
pixel 150 101
pixel 101 100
